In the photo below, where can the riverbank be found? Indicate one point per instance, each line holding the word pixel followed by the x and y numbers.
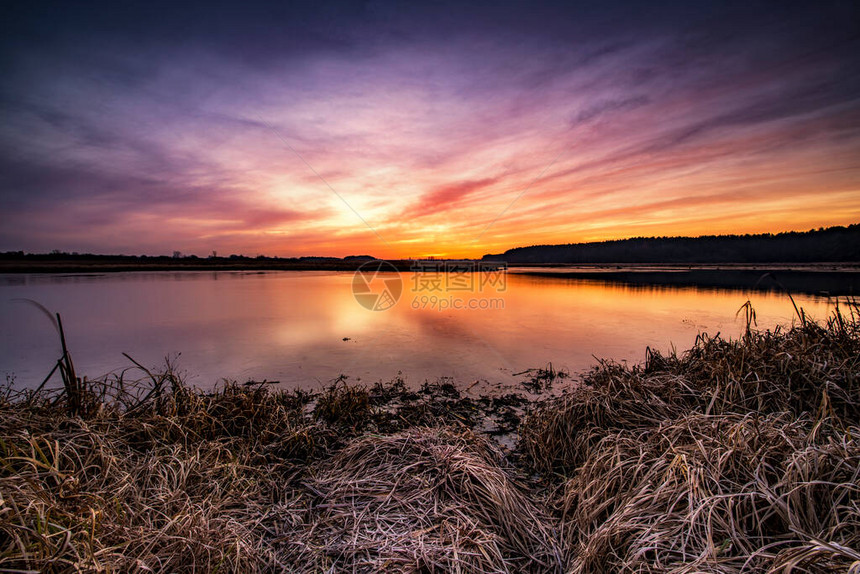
pixel 732 456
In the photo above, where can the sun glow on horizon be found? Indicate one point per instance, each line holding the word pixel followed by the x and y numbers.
pixel 409 136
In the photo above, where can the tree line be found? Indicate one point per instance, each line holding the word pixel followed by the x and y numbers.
pixel 826 245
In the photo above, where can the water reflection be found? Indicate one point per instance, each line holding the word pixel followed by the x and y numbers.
pixel 305 328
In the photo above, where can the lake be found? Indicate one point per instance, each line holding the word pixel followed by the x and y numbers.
pixel 304 328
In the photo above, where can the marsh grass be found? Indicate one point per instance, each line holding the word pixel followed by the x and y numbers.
pixel 428 501
pixel 735 456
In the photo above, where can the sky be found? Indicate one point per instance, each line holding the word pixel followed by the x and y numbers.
pixel 451 129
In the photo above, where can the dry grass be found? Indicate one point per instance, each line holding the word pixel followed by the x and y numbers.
pixel 184 491
pixel 737 456
pixel 811 370
pixel 159 477
pixel 425 500
pixel 716 493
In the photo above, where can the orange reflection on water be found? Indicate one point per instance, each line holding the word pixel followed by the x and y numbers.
pixel 306 328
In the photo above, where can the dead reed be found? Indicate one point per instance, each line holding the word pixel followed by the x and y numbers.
pixel 737 456
pixel 809 370
pixel 716 493
pixel 425 500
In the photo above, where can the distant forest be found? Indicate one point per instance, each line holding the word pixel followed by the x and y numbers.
pixel 60 262
pixel 832 244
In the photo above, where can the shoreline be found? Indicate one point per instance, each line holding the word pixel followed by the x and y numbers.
pixel 88 267
pixel 41 263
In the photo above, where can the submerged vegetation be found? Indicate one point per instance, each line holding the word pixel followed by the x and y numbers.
pixel 735 456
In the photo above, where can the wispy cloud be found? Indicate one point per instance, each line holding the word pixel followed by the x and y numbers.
pixel 445 198
pixel 135 132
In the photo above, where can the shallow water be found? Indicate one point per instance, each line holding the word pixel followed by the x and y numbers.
pixel 306 328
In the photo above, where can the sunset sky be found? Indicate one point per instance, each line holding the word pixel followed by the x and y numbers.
pixel 449 129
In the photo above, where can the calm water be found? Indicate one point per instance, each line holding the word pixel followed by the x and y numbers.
pixel 291 326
